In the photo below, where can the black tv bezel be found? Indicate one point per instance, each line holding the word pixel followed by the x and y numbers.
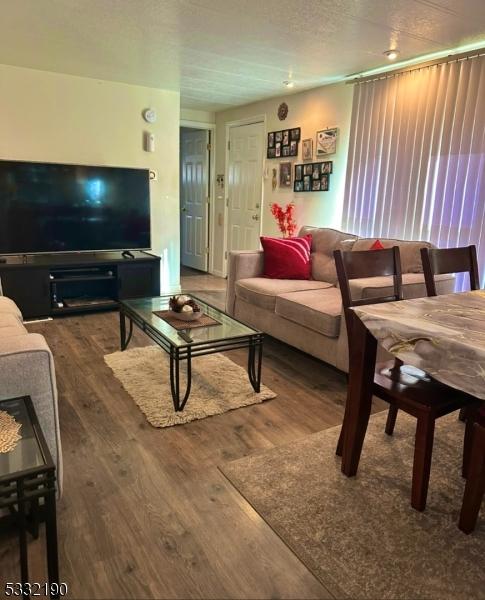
pixel 93 250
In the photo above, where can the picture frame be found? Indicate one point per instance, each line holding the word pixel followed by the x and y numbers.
pixel 326 142
pixel 307 149
pixel 312 177
pixel 285 174
pixel 283 143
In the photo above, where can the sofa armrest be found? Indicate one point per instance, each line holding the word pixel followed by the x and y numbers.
pixel 242 265
pixel 27 369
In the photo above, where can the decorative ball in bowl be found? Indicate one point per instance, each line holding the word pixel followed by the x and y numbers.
pixel 184 308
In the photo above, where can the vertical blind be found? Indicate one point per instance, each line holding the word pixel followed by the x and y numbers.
pixel 416 167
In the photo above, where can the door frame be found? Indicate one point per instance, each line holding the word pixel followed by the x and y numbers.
pixel 212 186
pixel 231 125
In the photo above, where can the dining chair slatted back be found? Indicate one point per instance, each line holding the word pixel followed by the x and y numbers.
pixel 441 261
pixel 363 264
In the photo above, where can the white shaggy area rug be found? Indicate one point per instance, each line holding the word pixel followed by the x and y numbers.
pixel 218 385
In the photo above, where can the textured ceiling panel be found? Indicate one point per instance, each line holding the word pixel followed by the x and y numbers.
pixel 220 53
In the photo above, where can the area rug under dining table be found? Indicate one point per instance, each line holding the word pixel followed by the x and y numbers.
pixel 360 536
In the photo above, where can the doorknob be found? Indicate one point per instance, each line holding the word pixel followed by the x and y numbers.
pixel 184 209
pixel 255 217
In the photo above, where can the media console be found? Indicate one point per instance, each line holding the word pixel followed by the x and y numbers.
pixel 44 285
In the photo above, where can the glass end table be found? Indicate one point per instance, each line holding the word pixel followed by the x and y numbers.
pixel 28 490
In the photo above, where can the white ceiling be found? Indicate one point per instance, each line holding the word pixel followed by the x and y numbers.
pixel 222 53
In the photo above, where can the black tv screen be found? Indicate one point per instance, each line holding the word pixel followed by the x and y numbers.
pixel 69 208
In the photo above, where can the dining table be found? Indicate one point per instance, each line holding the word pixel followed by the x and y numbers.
pixel 441 335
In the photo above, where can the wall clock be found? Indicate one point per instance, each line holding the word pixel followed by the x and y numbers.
pixel 149 115
pixel 282 111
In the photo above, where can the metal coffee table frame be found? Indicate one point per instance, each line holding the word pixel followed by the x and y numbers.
pixel 254 343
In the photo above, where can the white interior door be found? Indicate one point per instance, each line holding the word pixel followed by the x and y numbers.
pixel 194 197
pixel 245 186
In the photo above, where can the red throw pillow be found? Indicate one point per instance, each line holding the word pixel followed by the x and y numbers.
pixel 377 245
pixel 287 258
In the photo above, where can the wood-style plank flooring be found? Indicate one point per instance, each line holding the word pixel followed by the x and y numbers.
pixel 146 513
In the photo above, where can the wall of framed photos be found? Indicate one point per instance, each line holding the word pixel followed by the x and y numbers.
pixel 317 113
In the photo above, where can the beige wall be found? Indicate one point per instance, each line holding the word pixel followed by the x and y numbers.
pixel 328 106
pixel 198 116
pixel 61 118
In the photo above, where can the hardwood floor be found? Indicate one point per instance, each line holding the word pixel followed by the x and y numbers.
pixel 146 513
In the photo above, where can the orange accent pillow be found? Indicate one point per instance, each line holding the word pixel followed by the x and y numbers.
pixel 377 245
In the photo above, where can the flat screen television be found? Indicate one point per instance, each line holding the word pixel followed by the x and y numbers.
pixel 47 207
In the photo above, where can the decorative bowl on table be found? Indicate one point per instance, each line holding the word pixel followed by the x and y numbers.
pixel 184 308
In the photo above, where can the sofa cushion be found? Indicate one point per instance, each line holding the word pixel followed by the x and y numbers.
pixel 324 242
pixel 413 286
pixel 409 251
pixel 262 291
pixel 319 310
pixel 287 258
pixel 9 307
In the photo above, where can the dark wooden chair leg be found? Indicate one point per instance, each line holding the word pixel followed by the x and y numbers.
pixel 423 451
pixel 391 420
pixel 340 443
pixel 462 415
pixel 359 397
pixel 471 413
pixel 475 483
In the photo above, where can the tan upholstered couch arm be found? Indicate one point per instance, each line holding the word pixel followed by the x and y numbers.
pixel 27 369
pixel 241 265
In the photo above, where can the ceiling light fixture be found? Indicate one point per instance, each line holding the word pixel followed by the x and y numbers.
pixel 392 54
pixel 289 84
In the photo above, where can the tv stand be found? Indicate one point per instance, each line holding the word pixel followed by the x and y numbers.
pixel 45 285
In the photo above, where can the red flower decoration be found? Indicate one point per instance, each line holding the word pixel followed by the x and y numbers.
pixel 284 218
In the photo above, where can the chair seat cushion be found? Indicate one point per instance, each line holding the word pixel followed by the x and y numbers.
pixel 319 310
pixel 263 292
pixel 9 307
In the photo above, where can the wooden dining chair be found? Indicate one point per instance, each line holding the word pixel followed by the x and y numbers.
pixel 441 261
pixel 402 386
pixel 475 483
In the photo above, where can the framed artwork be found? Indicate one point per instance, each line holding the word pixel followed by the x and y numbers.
pixel 285 175
pixel 312 177
pixel 326 142
pixel 283 143
pixel 307 149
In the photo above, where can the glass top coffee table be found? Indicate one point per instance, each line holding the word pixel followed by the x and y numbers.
pixel 183 345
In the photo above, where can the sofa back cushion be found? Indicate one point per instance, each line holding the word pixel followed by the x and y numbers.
pixel 324 242
pixel 409 250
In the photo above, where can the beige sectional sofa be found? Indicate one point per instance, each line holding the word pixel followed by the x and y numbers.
pixel 27 369
pixel 308 314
